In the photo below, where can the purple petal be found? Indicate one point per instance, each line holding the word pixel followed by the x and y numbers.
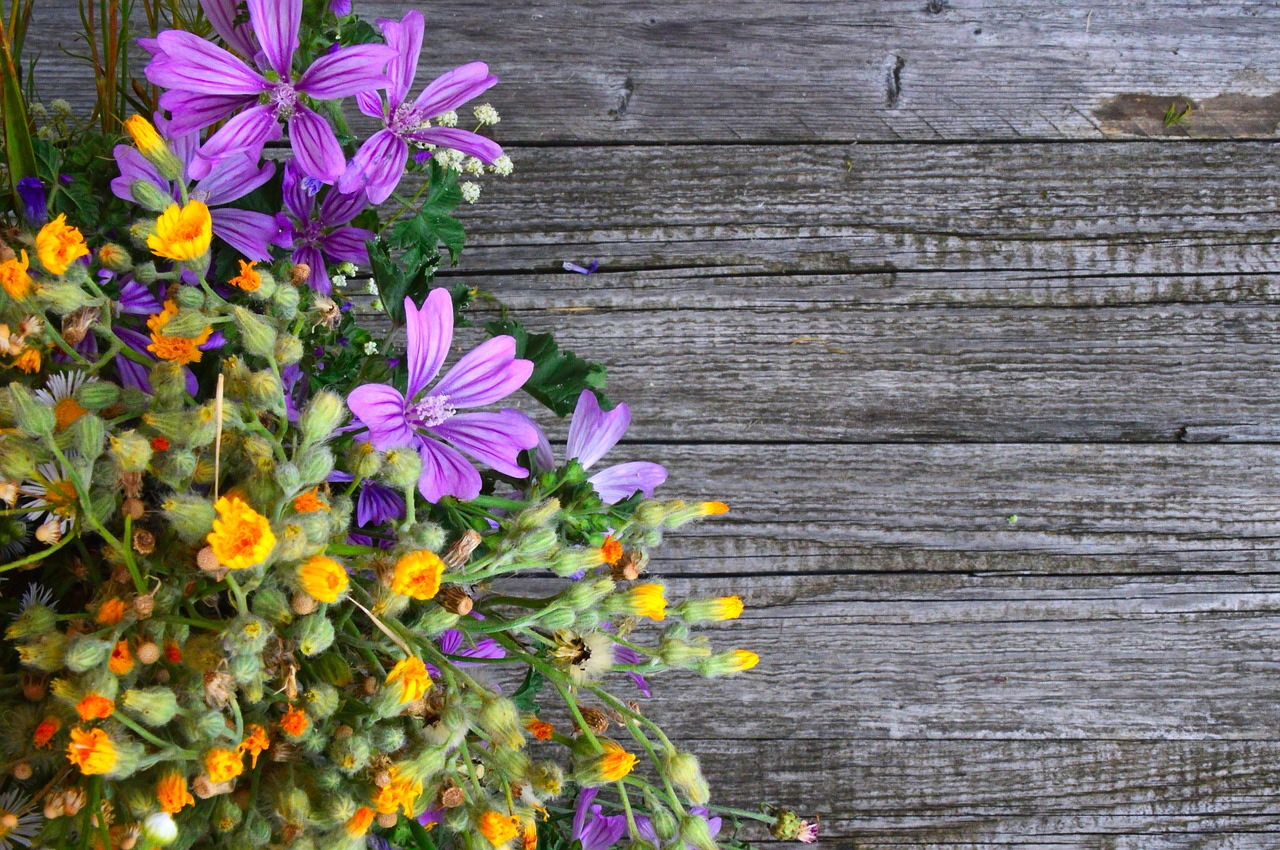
pixel 348 245
pixel 233 178
pixel 276 24
pixel 627 655
pixel 450 641
pixel 491 438
pixel 370 103
pixel 381 409
pixel 486 150
pixel 430 333
pixel 347 71
pixel 340 207
pixel 315 147
pixel 310 256
pixel 377 167
pixel 593 432
pixel 405 37
pixel 222 16
pixel 137 300
pixel 486 374
pixel 192 64
pixel 248 132
pixel 454 88
pixel 543 457
pixel 445 472
pixel 248 232
pixel 297 199
pixel 377 504
pixel 622 480
pixel 193 112
pixel 133 167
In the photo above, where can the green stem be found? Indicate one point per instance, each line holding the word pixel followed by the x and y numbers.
pixel 242 604
pixel 38 556
pixel 626 805
pixel 141 732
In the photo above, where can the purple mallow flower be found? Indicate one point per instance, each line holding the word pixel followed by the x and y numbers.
pixel 429 421
pixel 316 234
pixel 451 643
pixel 627 655
pixel 592 828
pixel 377 504
pixel 592 432
pixel 35 203
pixel 208 84
pixel 379 164
pixel 235 176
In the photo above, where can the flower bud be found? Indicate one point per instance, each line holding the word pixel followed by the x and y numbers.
pixel 96 395
pixel 434 621
pixel 153 147
pixel 313 634
pixel 286 301
pixel 567 562
pixel 665 825
pixel 322 701
pixel 34 621
pixel 149 196
pixel 676 651
pixel 287 478
pixel 153 706
pixel 351 754
pixel 555 617
pixel 258 337
pixel 131 451
pixel 364 460
pixel 32 416
pixel 88 433
pixel 145 273
pixel 683 771
pixel 247 635
pixel 322 416
pixel 547 779
pixel 190 516
pixel 402 468
pixel 160 829
pixel 727 663
pixel 227 814
pixel 84 653
pixel 501 720
pixel 695 832
pixel 586 593
pixel 190 298
pixel 265 391
pixel 271 604
pixel 115 257
pixel 709 610
pixel 314 465
pixel 288 349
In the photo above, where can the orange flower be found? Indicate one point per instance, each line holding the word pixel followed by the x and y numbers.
pixel 412 676
pixel 497 827
pixel 399 793
pixel 91 750
pixel 309 502
pixel 249 279
pixel 294 722
pixel 14 277
pixel 172 652
pixel 144 135
pixel 111 612
pixel 95 707
pixel 418 575
pixel 121 659
pixel 323 578
pixel 223 765
pixel 539 728
pixel 241 536
pixel 176 349
pixel 172 793
pixel 28 361
pixel 182 233
pixel 43 736
pixel 254 743
pixel 611 551
pixel 66 412
pixel 159 444
pixel 614 763
pixel 530 839
pixel 359 823
pixel 58 245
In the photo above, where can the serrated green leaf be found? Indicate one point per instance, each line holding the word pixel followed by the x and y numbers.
pixel 558 377
pixel 526 696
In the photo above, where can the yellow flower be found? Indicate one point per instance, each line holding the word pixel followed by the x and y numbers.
pixel 28 361
pixel 177 349
pixel 66 412
pixel 95 707
pixel 615 762
pixel 323 578
pixel 497 827
pixel 649 600
pixel 539 728
pixel 254 743
pixel 529 841
pixel 249 279
pixel 172 793
pixel 418 575
pixel 223 765
pixel 121 661
pixel 144 135
pixel 400 793
pixel 91 750
pixel 59 245
pixel 413 678
pixel 714 508
pixel 743 659
pixel 241 536
pixel 14 277
pixel 358 824
pixel 182 233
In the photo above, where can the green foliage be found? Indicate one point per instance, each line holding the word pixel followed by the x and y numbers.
pixel 526 696
pixel 559 377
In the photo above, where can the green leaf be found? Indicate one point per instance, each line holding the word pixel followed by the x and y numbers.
pixel 559 377
pixel 396 280
pixel 421 235
pixel 526 696
pixel 20 155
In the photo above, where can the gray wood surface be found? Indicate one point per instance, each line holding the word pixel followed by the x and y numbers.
pixel 980 352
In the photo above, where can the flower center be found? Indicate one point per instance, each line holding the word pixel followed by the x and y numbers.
pixel 431 411
pixel 406 120
pixel 284 99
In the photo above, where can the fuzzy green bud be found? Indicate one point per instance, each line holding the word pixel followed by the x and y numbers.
pixel 64 296
pixel 314 465
pixel 84 653
pixel 364 460
pixel 34 621
pixel 537 515
pixel 265 391
pixel 258 337
pixel 695 832
pixel 271 604
pixel 95 395
pixel 676 651
pixel 286 301
pixel 387 737
pixel 247 635
pixel 351 753
pixel 88 433
pixel 586 593
pixel 512 766
pixel 149 196
pixel 287 478
pixel 324 414
pixel 401 468
pixel 501 720
pixel 292 543
pixel 288 349
pixel 333 669
pixel 131 451
pixel 48 654
pixel 145 272
pixel 557 616
pixel 313 634
pixel 226 815
pixel 322 701
pixel 152 706
pixel 683 771
pixel 424 535
pixel 547 779
pixel 16 461
pixel 727 663
pixel 192 299
pixel 435 620
pixel 665 825
pixel 31 415
pixel 566 562
pixel 190 516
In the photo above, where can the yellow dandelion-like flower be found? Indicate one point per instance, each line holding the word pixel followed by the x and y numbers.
pixel 649 600
pixel 254 743
pixel 223 765
pixel 14 277
pixel 172 793
pixel 498 828
pixel 323 578
pixel 176 349
pixel 400 793
pixel 413 678
pixel 418 575
pixel 358 824
pixel 58 245
pixel 249 278
pixel 182 233
pixel 95 707
pixel 241 537
pixel 92 751
pixel 144 135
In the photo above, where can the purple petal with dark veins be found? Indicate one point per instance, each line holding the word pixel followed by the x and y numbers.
pixel 445 472
pixel 430 333
pixel 189 63
pixel 193 112
pixel 486 150
pixel 248 132
pixel 405 37
pixel 248 232
pixel 347 71
pixel 622 480
pixel 315 147
pixel 592 432
pixel 222 16
pixel 454 88
pixel 348 245
pixel 377 167
pixel 233 178
pixel 488 373
pixel 377 504
pixel 381 409
pixel 491 438
pixel 276 23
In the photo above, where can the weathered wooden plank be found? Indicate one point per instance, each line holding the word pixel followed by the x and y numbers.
pixel 806 70
pixel 1089 508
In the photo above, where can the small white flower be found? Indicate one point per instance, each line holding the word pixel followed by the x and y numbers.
pixel 448 119
pixel 470 192
pixel 443 159
pixel 347 269
pixel 486 114
pixel 474 166
pixel 370 348
pixel 503 166
pixel 371 288
pixel 160 828
pixel 338 280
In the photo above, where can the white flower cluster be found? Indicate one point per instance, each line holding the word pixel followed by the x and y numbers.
pixel 486 114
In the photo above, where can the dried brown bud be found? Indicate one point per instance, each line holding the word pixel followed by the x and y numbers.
pixel 22 771
pixel 144 543
pixel 146 603
pixel 6 253
pixel 596 719
pixel 370 685
pixel 303 604
pixel 148 653
pixel 300 274
pixel 73 800
pixel 207 561
pixel 75 326
pixel 133 509
pixel 450 796
pixel 386 821
pixel 120 574
pixel 35 686
pixel 630 566
pixel 454 600
pixel 382 778
pixel 204 787
pixel 343 731
pixel 219 689
pixel 131 483
pixel 460 552
pixel 129 838
pixel 54 806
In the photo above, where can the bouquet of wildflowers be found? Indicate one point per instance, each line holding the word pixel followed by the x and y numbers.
pixel 270 581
